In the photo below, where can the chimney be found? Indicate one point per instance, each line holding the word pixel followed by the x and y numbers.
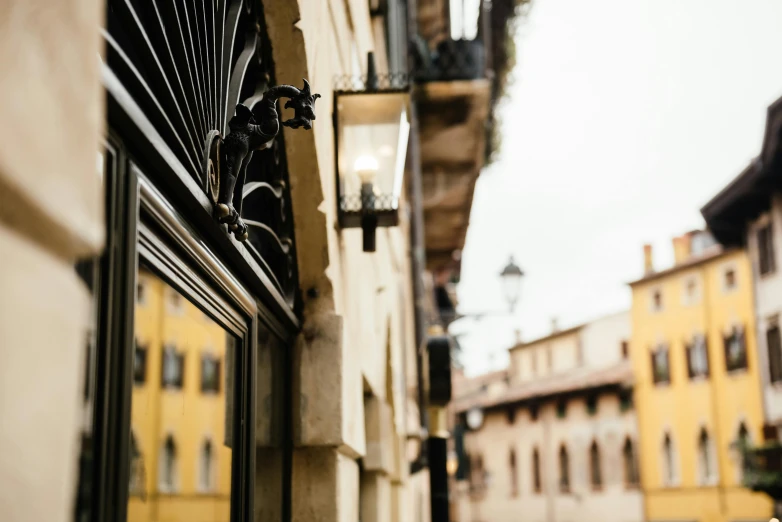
pixel 518 336
pixel 554 325
pixel 648 264
pixel 681 249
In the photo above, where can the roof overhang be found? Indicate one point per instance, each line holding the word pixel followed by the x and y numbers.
pixel 749 194
pixel 452 118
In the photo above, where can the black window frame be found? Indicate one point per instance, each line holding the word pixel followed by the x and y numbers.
pixel 657 379
pixel 774 352
pixel 206 387
pixel 171 211
pixel 738 334
pixel 766 254
pixel 144 226
pixel 140 353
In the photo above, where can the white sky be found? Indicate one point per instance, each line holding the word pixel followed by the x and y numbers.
pixel 624 118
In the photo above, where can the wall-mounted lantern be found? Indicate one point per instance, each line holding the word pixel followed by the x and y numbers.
pixel 371 118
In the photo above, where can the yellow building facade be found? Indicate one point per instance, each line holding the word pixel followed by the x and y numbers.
pixel 180 468
pixel 697 385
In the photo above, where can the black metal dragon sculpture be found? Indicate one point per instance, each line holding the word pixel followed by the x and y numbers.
pixel 246 135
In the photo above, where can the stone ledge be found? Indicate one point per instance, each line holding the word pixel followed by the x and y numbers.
pixel 326 384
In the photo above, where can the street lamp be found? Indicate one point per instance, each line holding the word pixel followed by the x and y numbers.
pixel 511 283
pixel 510 277
pixel 371 117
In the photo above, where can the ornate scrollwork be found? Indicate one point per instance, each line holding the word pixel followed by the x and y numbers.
pixel 247 136
pixel 187 66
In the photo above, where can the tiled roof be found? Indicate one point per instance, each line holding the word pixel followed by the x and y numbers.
pixel 570 382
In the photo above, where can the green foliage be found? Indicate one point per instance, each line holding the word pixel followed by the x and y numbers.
pixel 506 18
pixel 763 468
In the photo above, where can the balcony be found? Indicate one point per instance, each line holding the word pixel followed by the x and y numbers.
pixel 451 60
pixel 763 469
pixel 458 82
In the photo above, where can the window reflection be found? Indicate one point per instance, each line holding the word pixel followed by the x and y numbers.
pixel 180 468
pixel 270 427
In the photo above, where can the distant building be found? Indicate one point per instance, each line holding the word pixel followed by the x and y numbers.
pixel 748 213
pixel 696 383
pixel 554 439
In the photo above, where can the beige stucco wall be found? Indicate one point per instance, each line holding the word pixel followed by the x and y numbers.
pixel 546 357
pixel 50 214
pixel 602 340
pixel 372 350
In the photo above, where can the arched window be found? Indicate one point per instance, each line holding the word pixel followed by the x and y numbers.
pixel 136 482
pixel 705 462
pixel 743 442
pixel 630 463
pixel 669 461
pixel 514 477
pixel 206 466
pixel 537 484
pixel 564 470
pixel 596 477
pixel 168 465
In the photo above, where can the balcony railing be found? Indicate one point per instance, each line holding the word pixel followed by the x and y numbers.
pixel 763 469
pixel 451 60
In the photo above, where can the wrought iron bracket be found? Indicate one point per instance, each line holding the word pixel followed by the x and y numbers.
pixel 226 159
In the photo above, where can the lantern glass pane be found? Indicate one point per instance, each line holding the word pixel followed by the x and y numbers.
pixel 372 132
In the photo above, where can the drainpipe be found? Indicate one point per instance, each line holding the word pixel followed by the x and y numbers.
pixel 418 252
pixel 722 476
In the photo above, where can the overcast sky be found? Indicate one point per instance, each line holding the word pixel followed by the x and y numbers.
pixel 624 118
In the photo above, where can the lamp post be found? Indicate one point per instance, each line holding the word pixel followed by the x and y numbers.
pixel 441 466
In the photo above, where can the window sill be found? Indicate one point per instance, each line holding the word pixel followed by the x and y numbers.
pixel 738 372
pixel 710 482
pixel 704 378
pixel 632 487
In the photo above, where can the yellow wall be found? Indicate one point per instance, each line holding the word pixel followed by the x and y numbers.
pixel 719 403
pixel 189 415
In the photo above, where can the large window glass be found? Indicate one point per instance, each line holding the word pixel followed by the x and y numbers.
pixel 181 412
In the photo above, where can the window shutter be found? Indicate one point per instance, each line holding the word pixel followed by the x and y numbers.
pixel 742 343
pixel 706 354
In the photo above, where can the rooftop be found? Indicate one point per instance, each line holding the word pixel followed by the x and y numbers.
pixel 693 261
pixel 744 198
pixel 572 382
